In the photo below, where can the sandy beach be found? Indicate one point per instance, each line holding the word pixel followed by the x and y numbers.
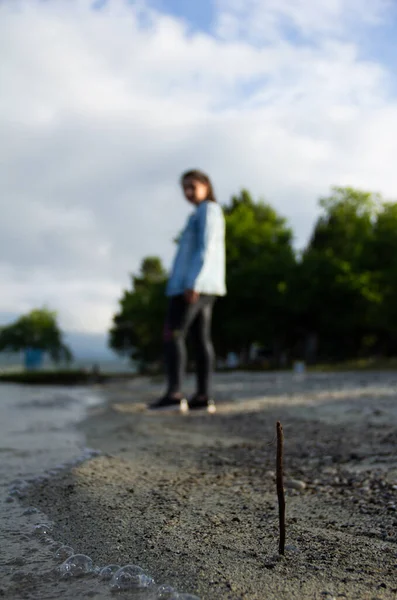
pixel 192 498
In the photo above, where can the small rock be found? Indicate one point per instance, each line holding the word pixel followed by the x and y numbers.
pixel 292 548
pixel 295 484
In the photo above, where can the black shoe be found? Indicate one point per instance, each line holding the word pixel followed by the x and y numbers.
pixel 167 402
pixel 196 402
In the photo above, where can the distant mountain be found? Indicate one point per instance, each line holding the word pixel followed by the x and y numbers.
pixel 89 346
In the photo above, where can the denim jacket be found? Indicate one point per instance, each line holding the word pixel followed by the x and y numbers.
pixel 199 263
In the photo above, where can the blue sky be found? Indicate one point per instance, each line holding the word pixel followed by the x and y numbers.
pixel 376 42
pixel 202 15
pixel 376 38
pixel 199 15
pixel 99 116
pixel 380 45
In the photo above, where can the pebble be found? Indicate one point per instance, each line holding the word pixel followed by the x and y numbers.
pixel 292 548
pixel 295 484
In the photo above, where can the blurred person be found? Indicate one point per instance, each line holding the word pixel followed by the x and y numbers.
pixel 197 278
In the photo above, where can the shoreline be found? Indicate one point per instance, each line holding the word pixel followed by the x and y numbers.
pixel 192 499
pixel 61 378
pixel 84 376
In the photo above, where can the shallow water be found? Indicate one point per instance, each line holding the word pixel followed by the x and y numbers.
pixel 38 438
pixel 37 434
pixel 37 427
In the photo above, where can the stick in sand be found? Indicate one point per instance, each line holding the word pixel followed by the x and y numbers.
pixel 280 487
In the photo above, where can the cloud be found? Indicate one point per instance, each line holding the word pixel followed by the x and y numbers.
pixel 94 297
pixel 267 21
pixel 101 110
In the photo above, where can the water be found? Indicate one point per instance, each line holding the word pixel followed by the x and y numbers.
pixel 11 362
pixel 37 435
pixel 38 438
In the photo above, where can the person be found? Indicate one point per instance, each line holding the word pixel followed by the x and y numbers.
pixel 197 278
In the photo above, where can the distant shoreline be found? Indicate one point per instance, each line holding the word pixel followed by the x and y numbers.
pixel 87 376
pixel 62 377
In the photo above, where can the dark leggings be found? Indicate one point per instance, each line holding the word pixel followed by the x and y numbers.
pixel 183 317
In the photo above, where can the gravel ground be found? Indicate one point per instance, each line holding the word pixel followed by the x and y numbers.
pixel 192 498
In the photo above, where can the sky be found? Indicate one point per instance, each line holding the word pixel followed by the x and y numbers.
pixel 104 103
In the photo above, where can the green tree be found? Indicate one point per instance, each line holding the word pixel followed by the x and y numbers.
pixel 345 228
pixel 259 263
pixel 260 260
pixel 37 329
pixel 137 326
pixel 382 260
pixel 342 291
pixel 335 290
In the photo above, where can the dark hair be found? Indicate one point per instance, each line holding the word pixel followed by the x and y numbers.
pixel 203 178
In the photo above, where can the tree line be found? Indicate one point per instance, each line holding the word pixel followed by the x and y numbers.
pixel 335 300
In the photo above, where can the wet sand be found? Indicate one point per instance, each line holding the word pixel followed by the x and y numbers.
pixel 192 498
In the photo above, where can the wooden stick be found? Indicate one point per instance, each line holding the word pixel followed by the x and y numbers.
pixel 280 486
